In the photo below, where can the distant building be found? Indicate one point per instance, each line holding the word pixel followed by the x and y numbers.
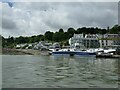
pixel 87 41
pixel 95 40
pixel 109 40
pixel 18 46
pixel 56 45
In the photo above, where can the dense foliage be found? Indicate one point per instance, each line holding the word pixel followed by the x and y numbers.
pixel 59 36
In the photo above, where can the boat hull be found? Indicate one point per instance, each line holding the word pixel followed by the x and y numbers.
pixel 72 53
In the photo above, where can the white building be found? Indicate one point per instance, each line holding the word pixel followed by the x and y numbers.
pixel 21 45
pixel 108 40
pixel 95 40
pixel 87 41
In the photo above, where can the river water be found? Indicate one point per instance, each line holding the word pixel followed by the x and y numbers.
pixel 25 71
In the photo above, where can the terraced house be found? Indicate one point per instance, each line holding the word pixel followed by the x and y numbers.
pixel 95 40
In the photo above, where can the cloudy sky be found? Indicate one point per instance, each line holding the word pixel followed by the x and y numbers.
pixel 33 18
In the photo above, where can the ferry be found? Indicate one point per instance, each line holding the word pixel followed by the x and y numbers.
pixel 72 52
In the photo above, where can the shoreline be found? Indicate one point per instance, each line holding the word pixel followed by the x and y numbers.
pixel 7 51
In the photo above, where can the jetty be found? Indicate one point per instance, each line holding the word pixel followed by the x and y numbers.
pixel 107 56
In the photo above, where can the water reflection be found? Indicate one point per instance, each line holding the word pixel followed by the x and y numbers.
pixel 59 71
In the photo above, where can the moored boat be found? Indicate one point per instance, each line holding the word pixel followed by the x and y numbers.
pixel 72 52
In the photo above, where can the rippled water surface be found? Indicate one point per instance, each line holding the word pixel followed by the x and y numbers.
pixel 24 71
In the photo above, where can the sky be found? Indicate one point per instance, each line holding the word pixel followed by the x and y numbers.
pixel 34 18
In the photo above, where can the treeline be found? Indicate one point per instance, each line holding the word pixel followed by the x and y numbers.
pixel 58 36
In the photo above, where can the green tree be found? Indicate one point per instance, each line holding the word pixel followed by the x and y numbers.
pixel 48 35
pixel 70 32
pixel 61 30
pixel 103 31
pixel 20 40
pixel 115 29
pixel 43 38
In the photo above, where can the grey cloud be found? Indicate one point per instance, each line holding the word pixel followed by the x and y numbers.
pixel 57 20
pixel 8 24
pixel 83 14
pixel 91 14
pixel 32 18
